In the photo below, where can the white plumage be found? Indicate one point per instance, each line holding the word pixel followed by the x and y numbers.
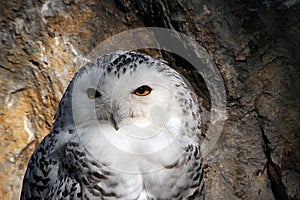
pixel 126 128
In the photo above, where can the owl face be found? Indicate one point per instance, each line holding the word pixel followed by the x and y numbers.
pixel 132 106
pixel 142 96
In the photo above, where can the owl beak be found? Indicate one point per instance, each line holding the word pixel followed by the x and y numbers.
pixel 114 121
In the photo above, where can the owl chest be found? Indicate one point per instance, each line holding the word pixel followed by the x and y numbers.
pixel 126 177
pixel 155 185
pixel 113 162
pixel 123 152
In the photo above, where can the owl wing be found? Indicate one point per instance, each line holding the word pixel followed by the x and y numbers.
pixel 43 171
pixel 194 167
pixel 187 180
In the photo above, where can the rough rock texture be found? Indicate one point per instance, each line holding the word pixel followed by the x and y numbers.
pixel 254 45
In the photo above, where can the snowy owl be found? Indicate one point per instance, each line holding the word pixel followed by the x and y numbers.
pixel 126 128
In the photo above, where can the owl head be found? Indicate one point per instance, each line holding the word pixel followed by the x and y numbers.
pixel 129 89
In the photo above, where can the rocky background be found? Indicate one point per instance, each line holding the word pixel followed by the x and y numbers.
pixel 255 45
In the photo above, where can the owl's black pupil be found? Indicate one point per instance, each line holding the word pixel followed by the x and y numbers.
pixel 141 89
pixel 97 94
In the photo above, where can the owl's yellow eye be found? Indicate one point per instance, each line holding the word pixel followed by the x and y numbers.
pixel 143 90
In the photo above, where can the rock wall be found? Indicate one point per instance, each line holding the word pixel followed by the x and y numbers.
pixel 254 45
